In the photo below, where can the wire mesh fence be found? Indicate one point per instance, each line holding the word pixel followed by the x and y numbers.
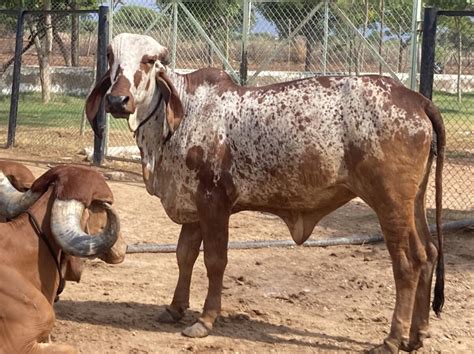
pixel 7 50
pixel 285 40
pixel 453 93
pixel 57 72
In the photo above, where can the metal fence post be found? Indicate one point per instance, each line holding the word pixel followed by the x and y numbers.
pixel 174 35
pixel 416 13
pixel 16 79
pixel 100 121
pixel 326 36
pixel 245 34
pixel 428 52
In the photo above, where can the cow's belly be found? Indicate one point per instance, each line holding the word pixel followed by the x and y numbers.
pixel 300 190
pixel 293 174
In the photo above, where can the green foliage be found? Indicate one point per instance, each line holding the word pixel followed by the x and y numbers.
pixel 451 28
pixel 398 17
pixel 451 4
pixel 55 4
pixel 279 14
pixel 215 16
pixel 136 18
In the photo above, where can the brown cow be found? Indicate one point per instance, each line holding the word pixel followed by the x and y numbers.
pixel 298 149
pixel 68 200
pixel 21 178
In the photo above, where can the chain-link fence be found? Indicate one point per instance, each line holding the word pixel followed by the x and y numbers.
pixel 57 72
pixel 260 41
pixel 453 92
pixel 7 51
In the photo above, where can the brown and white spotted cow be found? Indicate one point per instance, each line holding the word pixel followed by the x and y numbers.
pixel 298 149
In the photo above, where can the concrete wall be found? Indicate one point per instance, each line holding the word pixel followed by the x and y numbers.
pixel 67 80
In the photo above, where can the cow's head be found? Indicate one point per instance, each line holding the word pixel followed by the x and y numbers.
pixel 78 202
pixel 136 85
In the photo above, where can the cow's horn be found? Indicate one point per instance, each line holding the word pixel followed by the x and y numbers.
pixel 13 202
pixel 66 228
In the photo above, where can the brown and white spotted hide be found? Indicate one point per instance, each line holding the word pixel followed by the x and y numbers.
pixel 298 149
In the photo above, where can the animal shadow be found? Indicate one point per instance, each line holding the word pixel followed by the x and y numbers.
pixel 137 316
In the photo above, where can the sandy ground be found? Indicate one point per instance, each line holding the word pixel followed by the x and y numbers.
pixel 275 300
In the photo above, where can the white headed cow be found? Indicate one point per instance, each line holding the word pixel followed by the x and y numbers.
pixel 298 149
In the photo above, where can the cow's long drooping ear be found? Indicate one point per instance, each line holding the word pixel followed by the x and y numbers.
pixel 93 100
pixel 174 107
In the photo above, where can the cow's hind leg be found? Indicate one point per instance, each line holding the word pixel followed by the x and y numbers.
pixel 408 258
pixel 214 212
pixel 421 311
pixel 186 253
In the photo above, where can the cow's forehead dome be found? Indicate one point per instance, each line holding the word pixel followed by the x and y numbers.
pixel 130 42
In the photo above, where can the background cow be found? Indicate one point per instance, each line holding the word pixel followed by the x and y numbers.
pixel 299 150
pixel 67 200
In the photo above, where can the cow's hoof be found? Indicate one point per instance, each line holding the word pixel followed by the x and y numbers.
pixel 197 330
pixel 409 347
pixel 169 316
pixel 415 343
pixel 386 348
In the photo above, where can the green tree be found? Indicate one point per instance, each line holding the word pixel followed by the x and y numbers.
pixel 44 28
pixel 398 17
pixel 279 14
pixel 134 18
pixel 218 18
pixel 363 15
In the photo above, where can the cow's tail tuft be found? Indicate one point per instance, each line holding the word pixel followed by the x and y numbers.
pixel 438 126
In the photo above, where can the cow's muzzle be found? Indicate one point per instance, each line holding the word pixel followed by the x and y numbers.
pixel 119 106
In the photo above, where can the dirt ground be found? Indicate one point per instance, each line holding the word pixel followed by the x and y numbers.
pixel 275 300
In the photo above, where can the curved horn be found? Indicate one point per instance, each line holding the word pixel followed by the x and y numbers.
pixel 66 229
pixel 13 202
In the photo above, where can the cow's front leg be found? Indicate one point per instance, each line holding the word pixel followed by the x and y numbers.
pixel 214 212
pixel 189 242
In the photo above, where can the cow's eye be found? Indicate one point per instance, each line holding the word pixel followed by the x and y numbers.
pixel 149 59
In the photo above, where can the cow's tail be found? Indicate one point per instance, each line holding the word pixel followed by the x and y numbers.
pixel 438 126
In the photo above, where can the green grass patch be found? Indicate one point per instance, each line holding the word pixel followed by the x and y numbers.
pixel 455 112
pixel 61 112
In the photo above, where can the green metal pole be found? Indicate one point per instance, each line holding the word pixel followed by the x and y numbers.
pixel 110 23
pixel 326 35
pixel 245 34
pixel 174 35
pixel 415 22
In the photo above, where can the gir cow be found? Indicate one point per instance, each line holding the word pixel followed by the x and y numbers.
pixel 60 205
pixel 21 178
pixel 298 149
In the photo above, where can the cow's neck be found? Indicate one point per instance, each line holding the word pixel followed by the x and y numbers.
pixel 47 279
